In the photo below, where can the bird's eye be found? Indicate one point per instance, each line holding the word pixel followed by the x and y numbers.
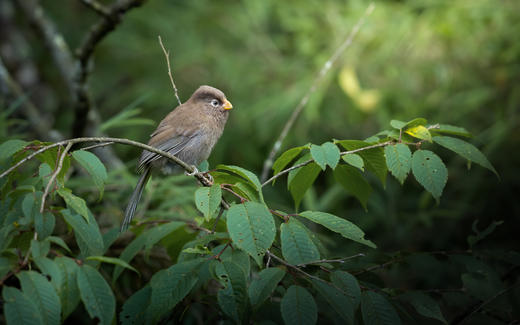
pixel 215 103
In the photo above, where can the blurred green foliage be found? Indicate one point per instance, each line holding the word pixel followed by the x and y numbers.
pixel 452 61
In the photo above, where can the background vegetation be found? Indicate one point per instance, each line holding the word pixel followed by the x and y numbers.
pixel 451 62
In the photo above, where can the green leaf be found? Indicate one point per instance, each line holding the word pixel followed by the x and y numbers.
pixel 336 299
pixel 349 285
pixel 49 268
pixel 376 310
pixel 374 158
pixel 299 180
pixel 344 227
pixel 58 241
pixel 401 125
pixel 169 287
pixel 44 224
pixel 74 202
pixel 87 235
pixel 424 305
pixel 41 292
pixel 94 167
pixel 39 248
pixel 298 307
pixel 352 181
pixel 134 308
pixel 354 160
pixel 430 172
pixel 147 239
pixel 207 200
pixel 297 246
pixel 19 309
pixel 399 160
pixel 96 294
pixel 263 286
pixel 285 158
pixel 420 132
pixel 396 124
pixel 466 150
pixel 237 256
pixel 112 260
pixel 452 130
pixel 326 154
pixel 10 147
pixel 68 291
pixel 251 227
pixel 244 173
pixel 233 297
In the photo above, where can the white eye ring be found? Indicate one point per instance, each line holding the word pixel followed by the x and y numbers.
pixel 215 103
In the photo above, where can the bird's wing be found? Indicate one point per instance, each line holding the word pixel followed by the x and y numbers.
pixel 173 145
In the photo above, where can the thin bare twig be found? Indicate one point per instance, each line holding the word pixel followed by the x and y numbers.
pixel 97 7
pixel 54 175
pixel 294 267
pixel 317 81
pixel 339 260
pixel 97 145
pixel 167 55
pixel 305 163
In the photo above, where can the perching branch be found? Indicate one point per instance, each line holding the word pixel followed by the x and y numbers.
pixel 314 86
pixel 305 163
pixel 190 169
pixel 97 7
pixel 167 55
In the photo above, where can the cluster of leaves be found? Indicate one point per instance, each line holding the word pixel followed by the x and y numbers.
pixel 291 279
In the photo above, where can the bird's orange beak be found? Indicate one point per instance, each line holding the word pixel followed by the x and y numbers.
pixel 227 105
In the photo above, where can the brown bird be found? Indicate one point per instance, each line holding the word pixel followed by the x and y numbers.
pixel 189 132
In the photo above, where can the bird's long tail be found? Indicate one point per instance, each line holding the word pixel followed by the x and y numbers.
pixel 134 199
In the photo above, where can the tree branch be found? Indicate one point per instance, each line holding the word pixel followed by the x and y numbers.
pixel 97 7
pixel 305 163
pixel 317 81
pixel 167 55
pixel 54 175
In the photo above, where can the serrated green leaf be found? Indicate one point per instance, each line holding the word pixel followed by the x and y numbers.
pixel 39 248
pixel 376 310
pixel 237 256
pixel 354 160
pixel 352 181
pixel 396 124
pixel 19 309
pixel 75 202
pixel 374 158
pixel 112 260
pixel 424 305
pixel 251 227
pixel 58 241
pixel 96 294
pixel 169 287
pixel 299 180
pixel 344 227
pixel 94 167
pixel 68 290
pixel 326 154
pixel 51 269
pixel 233 297
pixel 298 307
pixel 44 224
pixel 466 150
pixel 10 147
pixel 207 200
pixel 87 235
pixel 246 174
pixel 263 286
pixel 42 293
pixel 285 158
pixel 297 246
pixel 450 129
pixel 399 160
pixel 430 171
pixel 134 308
pixel 145 240
pixel 336 299
pixel 349 285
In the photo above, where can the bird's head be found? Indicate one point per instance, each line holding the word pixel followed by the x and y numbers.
pixel 212 99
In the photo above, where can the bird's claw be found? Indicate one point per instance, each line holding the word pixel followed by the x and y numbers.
pixel 193 173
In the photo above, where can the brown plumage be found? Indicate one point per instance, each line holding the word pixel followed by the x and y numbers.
pixel 189 132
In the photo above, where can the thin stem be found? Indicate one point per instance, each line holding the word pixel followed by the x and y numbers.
pixel 167 55
pixel 294 267
pixel 339 260
pixel 314 86
pixel 54 175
